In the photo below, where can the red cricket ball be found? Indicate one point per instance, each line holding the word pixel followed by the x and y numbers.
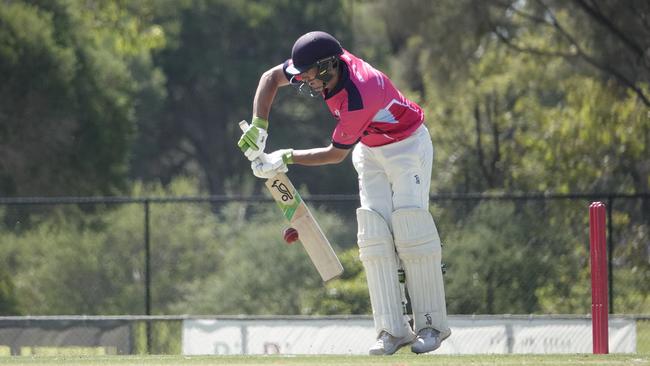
pixel 290 235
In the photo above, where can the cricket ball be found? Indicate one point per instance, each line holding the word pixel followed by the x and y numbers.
pixel 290 235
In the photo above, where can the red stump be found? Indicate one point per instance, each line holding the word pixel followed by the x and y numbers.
pixel 599 296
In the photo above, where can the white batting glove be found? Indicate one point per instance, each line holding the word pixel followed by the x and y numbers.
pixel 256 167
pixel 279 158
pixel 266 170
pixel 269 165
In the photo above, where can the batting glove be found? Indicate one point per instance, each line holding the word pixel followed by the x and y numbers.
pixel 253 141
pixel 279 158
pixel 269 165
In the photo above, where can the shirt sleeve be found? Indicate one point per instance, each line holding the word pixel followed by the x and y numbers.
pixel 351 128
pixel 293 79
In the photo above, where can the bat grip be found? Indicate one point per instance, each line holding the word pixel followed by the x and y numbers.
pixel 243 125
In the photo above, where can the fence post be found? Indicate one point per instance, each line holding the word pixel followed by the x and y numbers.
pixel 599 282
pixel 147 274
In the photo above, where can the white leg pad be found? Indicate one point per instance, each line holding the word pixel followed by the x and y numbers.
pixel 377 253
pixel 418 247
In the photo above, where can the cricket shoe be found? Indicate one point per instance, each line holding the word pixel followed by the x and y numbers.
pixel 428 339
pixel 387 344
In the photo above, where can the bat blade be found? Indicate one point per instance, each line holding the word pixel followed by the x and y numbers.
pixel 310 234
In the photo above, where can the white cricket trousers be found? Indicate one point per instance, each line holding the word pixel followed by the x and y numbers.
pixel 395 226
pixel 396 175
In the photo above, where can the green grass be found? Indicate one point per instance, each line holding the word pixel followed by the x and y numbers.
pixel 396 360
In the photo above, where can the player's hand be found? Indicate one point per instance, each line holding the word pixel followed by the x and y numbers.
pixel 279 158
pixel 265 170
pixel 253 140
pixel 269 165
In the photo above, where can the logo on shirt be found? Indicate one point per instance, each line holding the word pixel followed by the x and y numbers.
pixel 337 114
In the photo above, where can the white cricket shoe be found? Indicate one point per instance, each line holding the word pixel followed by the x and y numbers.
pixel 387 344
pixel 428 339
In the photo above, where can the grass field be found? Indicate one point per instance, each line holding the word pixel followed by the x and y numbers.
pixel 396 360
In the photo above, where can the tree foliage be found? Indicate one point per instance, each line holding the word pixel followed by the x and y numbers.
pixel 201 262
pixel 611 37
pixel 110 97
pixel 93 263
pixel 8 299
pixel 230 44
pixel 68 108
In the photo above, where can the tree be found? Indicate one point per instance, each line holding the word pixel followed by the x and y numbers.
pixel 262 275
pixel 67 110
pixel 524 116
pixel 346 295
pixel 68 263
pixel 8 301
pixel 213 64
pixel 611 36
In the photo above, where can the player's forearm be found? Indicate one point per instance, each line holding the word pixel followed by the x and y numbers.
pixel 264 97
pixel 318 156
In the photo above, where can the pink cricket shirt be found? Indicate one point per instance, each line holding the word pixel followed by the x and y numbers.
pixel 368 107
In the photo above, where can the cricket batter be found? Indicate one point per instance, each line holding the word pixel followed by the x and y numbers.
pixel 392 154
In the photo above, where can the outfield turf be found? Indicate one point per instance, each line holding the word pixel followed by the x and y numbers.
pixel 396 360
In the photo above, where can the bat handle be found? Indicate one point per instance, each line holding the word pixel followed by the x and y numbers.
pixel 243 125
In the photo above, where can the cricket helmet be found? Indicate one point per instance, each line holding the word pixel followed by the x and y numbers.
pixel 313 49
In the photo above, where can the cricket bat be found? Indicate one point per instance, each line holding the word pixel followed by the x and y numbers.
pixel 310 234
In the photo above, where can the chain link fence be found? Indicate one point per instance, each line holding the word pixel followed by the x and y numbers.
pixel 504 254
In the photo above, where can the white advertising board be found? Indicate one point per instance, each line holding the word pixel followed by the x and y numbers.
pixel 354 335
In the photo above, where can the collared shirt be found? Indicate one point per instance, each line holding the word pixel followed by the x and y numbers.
pixel 367 106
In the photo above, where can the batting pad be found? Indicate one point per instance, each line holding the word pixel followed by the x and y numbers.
pixel 377 253
pixel 418 247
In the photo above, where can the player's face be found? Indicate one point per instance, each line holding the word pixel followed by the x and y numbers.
pixel 309 77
